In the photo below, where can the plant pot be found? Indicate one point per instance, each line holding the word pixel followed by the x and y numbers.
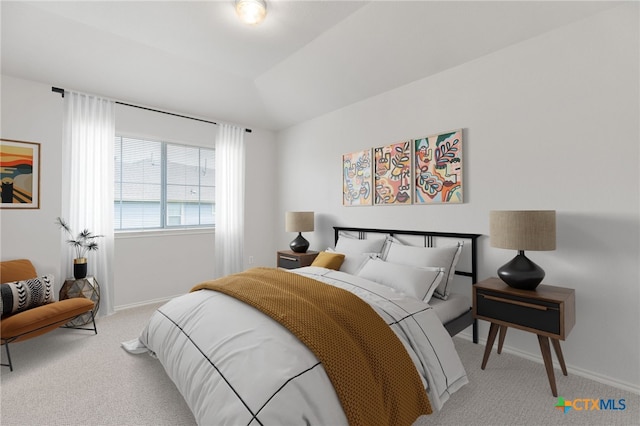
pixel 80 268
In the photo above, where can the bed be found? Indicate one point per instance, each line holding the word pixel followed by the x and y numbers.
pixel 236 359
pixel 456 310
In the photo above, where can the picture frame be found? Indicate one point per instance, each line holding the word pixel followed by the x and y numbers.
pixel 357 173
pixel 392 174
pixel 19 174
pixel 438 167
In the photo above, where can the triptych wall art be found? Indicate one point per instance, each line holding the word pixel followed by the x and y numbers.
pixel 419 171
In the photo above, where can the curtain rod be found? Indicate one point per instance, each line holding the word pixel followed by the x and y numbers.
pixel 61 91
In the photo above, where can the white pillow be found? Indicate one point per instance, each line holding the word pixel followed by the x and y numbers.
pixel 416 282
pixel 353 262
pixel 440 257
pixel 348 245
pixel 387 243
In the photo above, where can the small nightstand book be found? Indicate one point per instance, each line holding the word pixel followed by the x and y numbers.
pixel 547 311
pixel 290 260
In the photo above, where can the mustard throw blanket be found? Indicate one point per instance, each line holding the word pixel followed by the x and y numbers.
pixel 370 369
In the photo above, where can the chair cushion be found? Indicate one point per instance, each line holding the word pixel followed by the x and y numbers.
pixel 37 321
pixel 16 270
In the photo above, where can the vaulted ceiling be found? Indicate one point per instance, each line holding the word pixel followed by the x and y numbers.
pixel 306 59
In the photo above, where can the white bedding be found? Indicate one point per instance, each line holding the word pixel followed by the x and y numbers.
pixel 450 309
pixel 235 365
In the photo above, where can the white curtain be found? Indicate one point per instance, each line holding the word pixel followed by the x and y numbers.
pixel 87 185
pixel 230 154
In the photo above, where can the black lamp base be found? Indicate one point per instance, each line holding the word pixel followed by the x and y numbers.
pixel 299 245
pixel 521 273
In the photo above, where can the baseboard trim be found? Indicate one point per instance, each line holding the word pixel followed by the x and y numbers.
pixel 629 387
pixel 145 303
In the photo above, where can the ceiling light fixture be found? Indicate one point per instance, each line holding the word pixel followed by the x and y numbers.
pixel 251 11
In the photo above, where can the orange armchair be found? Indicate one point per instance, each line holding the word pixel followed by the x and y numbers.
pixel 26 324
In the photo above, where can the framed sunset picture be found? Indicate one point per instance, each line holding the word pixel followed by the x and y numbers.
pixel 20 174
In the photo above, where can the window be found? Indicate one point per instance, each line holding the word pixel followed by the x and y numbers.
pixel 161 185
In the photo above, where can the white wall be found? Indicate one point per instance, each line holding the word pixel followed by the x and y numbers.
pixel 147 266
pixel 31 112
pixel 550 123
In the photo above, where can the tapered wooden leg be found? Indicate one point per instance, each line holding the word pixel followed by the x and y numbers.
pixel 475 330
pixel 548 363
pixel 503 333
pixel 493 330
pixel 558 349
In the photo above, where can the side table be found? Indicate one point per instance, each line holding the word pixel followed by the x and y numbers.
pixel 547 311
pixel 84 287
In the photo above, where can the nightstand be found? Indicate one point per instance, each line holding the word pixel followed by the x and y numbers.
pixel 547 311
pixel 84 287
pixel 291 260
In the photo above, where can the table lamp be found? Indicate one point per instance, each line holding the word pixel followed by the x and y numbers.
pixel 522 230
pixel 299 222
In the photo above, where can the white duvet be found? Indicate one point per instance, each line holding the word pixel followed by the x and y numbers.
pixel 236 366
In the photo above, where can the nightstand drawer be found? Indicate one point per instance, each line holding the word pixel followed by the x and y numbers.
pixel 291 260
pixel 525 312
pixel 288 262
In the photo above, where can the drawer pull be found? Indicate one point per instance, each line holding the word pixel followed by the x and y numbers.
pixel 292 259
pixel 515 302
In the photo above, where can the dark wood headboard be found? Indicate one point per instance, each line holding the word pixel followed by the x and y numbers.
pixel 428 239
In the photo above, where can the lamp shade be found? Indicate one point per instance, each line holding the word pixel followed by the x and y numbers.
pixel 298 222
pixel 523 229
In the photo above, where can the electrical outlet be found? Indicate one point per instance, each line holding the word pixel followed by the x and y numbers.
pixel 250 260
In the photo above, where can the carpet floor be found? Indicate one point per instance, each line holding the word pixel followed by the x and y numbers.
pixel 72 377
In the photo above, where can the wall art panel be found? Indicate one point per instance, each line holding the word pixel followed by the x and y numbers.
pixel 438 168
pixel 392 176
pixel 357 179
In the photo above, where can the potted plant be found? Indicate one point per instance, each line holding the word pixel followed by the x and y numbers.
pixel 83 243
